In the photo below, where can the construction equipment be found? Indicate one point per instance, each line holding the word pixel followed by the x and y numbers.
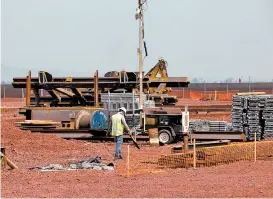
pixel 172 124
pixel 158 93
pixel 85 91
pixel 159 69
pixel 83 121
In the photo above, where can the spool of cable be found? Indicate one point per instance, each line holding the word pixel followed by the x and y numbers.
pixel 98 121
pixel 93 120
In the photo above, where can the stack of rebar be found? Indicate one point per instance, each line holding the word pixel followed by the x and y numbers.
pixel 199 125
pixel 254 117
pixel 206 125
pixel 268 117
pixel 251 114
pixel 217 126
pixel 237 115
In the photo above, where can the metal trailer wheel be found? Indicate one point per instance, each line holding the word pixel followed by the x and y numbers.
pixel 165 136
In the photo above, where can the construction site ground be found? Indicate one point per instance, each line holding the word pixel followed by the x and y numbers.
pixel 26 149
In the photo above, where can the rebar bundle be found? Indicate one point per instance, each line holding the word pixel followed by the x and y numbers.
pixel 252 114
pixel 206 125
pixel 268 117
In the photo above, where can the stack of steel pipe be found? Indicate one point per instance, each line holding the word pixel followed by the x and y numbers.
pixel 199 125
pixel 217 126
pixel 207 125
pixel 254 117
pixel 253 114
pixel 268 117
pixel 237 115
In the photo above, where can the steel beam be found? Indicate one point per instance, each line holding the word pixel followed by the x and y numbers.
pixel 218 135
pixel 178 149
pixel 55 96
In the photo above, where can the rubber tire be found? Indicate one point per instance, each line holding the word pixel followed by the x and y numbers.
pixel 167 133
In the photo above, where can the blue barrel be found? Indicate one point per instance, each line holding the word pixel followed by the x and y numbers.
pixel 98 121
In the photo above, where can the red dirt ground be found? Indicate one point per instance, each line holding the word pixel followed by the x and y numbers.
pixel 25 149
pixel 195 102
pixel 220 116
pixel 12 102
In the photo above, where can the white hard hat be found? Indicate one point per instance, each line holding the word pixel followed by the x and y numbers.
pixel 123 109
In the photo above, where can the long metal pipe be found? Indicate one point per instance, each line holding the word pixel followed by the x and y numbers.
pixel 96 89
pixel 140 62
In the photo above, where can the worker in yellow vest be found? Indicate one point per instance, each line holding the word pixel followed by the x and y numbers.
pixel 118 126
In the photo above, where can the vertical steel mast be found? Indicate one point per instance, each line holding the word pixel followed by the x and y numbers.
pixel 139 16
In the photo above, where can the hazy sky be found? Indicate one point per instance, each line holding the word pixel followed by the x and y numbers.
pixel 213 39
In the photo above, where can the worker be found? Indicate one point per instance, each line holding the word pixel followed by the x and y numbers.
pixel 118 126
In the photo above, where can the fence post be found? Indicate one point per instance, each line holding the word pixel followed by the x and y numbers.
pixel 128 159
pixel 194 154
pixel 186 142
pixel 255 147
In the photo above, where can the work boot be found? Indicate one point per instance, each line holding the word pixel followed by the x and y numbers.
pixel 120 157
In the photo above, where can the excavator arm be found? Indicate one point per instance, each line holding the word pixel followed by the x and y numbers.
pixel 159 69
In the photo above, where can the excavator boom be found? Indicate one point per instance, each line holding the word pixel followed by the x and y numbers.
pixel 160 68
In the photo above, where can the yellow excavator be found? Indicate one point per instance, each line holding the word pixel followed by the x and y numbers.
pixel 159 94
pixel 159 69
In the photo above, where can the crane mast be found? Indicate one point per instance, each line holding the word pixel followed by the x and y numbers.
pixel 139 16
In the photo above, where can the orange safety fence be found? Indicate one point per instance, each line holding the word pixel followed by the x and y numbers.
pixel 265 91
pixel 210 95
pixel 158 160
pixel 205 95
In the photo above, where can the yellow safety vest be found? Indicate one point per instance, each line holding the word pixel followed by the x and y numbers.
pixel 117 126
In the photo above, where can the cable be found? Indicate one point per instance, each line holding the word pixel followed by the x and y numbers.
pixel 145 48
